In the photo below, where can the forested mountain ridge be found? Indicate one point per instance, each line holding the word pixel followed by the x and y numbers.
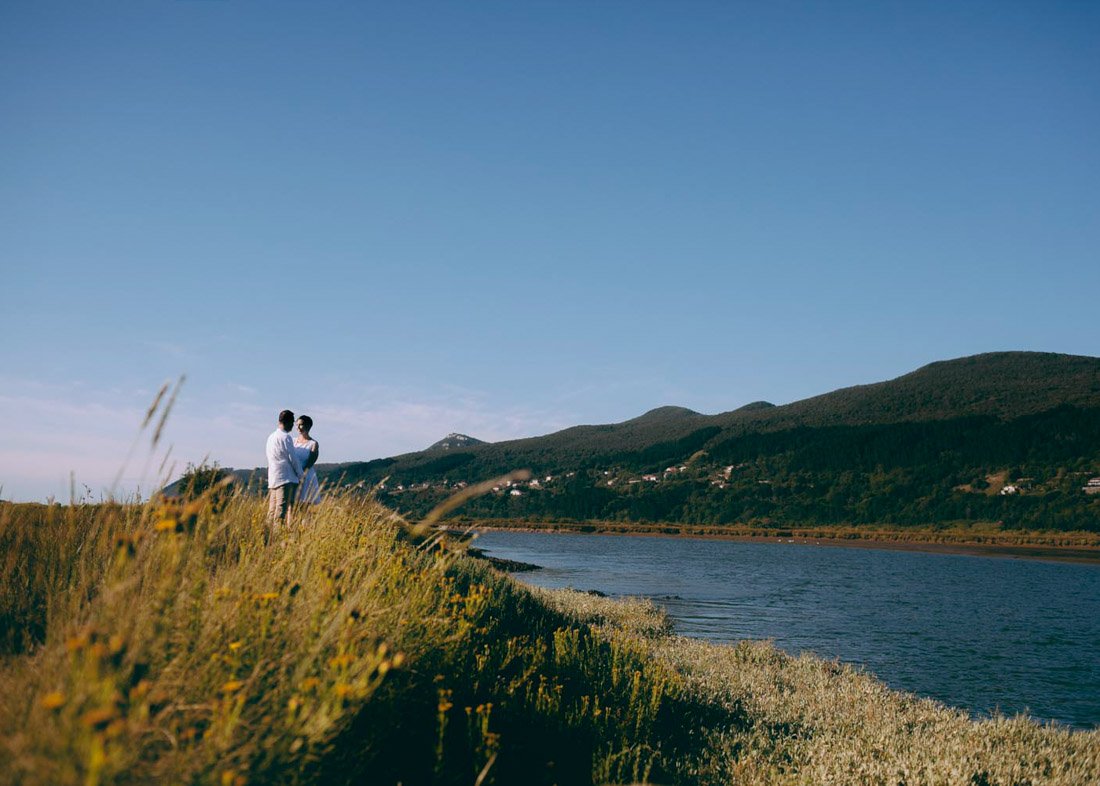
pixel 1009 436
pixel 1001 384
pixel 1004 385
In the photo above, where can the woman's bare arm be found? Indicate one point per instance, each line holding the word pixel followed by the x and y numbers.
pixel 311 459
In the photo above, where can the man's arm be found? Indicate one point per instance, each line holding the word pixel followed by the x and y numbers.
pixel 271 451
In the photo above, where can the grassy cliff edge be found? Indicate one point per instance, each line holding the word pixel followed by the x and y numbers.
pixel 169 643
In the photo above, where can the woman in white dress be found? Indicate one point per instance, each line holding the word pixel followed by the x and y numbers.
pixel 309 490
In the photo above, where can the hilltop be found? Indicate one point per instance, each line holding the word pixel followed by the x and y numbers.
pixel 1004 385
pixel 454 441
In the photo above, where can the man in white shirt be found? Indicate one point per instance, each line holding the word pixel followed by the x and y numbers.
pixel 283 471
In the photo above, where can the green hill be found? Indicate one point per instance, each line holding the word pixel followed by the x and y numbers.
pixel 455 442
pixel 1005 385
pixel 937 445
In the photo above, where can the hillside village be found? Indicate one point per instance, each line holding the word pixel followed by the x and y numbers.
pixel 608 477
pixel 997 483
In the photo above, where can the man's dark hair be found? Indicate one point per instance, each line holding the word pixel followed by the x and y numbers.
pixel 286 418
pixel 307 421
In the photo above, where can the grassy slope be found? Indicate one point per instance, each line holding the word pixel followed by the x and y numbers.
pixel 152 644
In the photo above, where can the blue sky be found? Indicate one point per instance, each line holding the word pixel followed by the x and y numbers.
pixel 506 218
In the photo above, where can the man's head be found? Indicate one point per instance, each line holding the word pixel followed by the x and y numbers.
pixel 286 419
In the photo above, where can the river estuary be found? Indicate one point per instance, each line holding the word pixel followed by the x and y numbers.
pixel 979 633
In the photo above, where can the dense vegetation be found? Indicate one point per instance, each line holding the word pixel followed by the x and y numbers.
pixel 933 447
pixel 170 642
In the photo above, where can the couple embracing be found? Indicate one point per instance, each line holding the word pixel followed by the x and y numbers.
pixel 290 474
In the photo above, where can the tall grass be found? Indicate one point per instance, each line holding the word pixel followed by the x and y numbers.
pixel 174 643
pixel 169 642
pixel 804 720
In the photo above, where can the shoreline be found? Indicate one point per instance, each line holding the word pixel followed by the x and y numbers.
pixel 878 540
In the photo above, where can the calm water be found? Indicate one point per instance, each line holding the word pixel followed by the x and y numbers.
pixel 979 633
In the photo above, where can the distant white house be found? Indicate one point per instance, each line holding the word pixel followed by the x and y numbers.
pixel 1093 486
pixel 1010 489
pixel 516 493
pixel 650 478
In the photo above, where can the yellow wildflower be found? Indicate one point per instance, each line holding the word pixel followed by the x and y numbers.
pixel 53 700
pixel 115 728
pixel 99 718
pixel 444 701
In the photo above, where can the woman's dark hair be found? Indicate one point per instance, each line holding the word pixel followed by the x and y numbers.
pixel 307 421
